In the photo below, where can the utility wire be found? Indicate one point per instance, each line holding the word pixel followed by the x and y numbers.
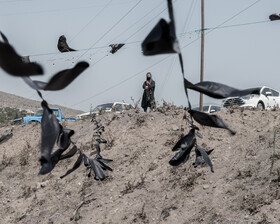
pixel 121 82
pixel 134 32
pixel 55 10
pixel 92 19
pixel 108 32
pixel 145 25
pixel 235 25
pixel 221 24
pixel 133 25
pixel 158 62
pixel 167 75
pixel 235 15
pixel 111 28
pixel 189 14
pixel 179 35
pixel 185 27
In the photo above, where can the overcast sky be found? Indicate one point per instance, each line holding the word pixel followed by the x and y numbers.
pixel 240 56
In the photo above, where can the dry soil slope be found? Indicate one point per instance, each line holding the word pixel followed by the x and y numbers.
pixel 14 101
pixel 143 188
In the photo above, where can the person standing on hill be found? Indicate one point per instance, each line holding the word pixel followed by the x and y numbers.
pixel 148 99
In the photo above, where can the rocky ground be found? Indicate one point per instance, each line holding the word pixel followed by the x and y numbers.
pixel 143 187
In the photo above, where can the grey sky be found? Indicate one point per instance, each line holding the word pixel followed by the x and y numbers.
pixel 240 56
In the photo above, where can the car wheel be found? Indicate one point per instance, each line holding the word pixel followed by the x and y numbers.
pixel 260 106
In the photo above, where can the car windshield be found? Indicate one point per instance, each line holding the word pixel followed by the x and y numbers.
pixel 107 106
pixel 55 112
pixel 39 113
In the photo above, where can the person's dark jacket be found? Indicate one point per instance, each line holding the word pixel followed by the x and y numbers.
pixel 148 95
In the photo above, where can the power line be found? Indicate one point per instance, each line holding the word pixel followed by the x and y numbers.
pixel 221 24
pixel 55 10
pixel 158 62
pixel 235 15
pixel 145 25
pixel 189 14
pixel 120 83
pixel 167 75
pixel 133 25
pixel 236 25
pixel 92 46
pixel 180 35
pixel 185 27
pixel 92 19
pixel 106 46
pixel 112 27
pixel 132 34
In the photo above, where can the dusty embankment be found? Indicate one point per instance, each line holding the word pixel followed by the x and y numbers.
pixel 144 188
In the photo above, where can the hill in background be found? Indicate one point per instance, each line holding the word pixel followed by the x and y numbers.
pixel 12 105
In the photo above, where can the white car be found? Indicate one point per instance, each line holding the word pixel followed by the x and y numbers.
pixel 263 98
pixel 107 107
pixel 209 109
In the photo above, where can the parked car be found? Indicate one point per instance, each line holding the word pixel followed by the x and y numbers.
pixel 38 117
pixel 263 98
pixel 117 107
pixel 209 109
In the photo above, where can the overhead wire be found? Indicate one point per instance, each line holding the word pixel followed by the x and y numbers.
pixel 132 34
pixel 179 35
pixel 221 24
pixel 145 25
pixel 112 27
pixel 158 62
pixel 185 28
pixel 106 46
pixel 133 25
pixel 182 34
pixel 120 83
pixel 104 33
pixel 235 25
pixel 167 75
pixel 130 10
pixel 212 29
pixel 91 20
pixel 55 10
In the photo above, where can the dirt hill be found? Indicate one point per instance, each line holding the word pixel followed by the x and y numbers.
pixel 143 187
pixel 18 102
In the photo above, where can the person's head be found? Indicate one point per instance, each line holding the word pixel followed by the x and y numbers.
pixel 149 76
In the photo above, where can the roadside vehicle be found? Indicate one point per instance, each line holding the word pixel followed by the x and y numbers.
pixel 263 98
pixel 117 107
pixel 38 117
pixel 209 109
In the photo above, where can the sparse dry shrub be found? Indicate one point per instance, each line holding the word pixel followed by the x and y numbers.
pixel 141 216
pixel 131 186
pixel 24 154
pixel 6 161
pixel 110 140
pixel 135 103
